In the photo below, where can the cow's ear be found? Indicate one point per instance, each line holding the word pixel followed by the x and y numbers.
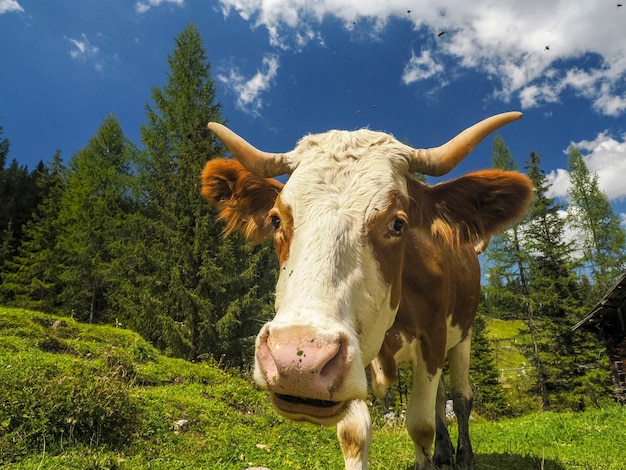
pixel 242 199
pixel 473 207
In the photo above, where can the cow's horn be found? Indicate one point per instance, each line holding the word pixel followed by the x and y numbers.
pixel 256 161
pixel 440 160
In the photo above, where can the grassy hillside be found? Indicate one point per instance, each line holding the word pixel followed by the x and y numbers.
pixel 75 396
pixel 505 335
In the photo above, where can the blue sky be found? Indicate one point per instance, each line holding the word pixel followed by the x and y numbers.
pixel 421 70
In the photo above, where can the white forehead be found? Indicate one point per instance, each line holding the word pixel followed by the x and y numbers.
pixel 351 171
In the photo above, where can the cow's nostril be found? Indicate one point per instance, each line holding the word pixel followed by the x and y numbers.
pixel 334 367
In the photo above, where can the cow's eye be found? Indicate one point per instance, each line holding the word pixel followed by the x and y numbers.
pixel 395 227
pixel 275 221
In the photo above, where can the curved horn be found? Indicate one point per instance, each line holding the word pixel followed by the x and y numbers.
pixel 256 161
pixel 440 160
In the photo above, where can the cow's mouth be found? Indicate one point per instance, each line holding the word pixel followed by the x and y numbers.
pixel 306 401
pixel 309 409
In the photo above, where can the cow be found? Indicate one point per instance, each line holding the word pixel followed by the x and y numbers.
pixel 375 268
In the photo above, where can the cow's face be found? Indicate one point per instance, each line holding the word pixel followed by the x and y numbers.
pixel 340 226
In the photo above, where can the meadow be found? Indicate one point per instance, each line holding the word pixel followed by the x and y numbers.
pixel 77 396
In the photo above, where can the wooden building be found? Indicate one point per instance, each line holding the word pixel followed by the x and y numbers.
pixel 608 318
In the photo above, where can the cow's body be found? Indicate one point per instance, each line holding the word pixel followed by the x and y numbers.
pixel 441 293
pixel 375 267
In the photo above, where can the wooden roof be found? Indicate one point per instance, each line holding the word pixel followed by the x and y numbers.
pixel 611 309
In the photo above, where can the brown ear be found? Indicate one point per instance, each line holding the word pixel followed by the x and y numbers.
pixel 473 207
pixel 242 199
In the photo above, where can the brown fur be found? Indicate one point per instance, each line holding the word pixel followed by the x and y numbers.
pixel 351 442
pixel 470 208
pixel 389 248
pixel 242 199
pixel 284 234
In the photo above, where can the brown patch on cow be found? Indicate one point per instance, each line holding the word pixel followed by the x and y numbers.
pixel 350 441
pixel 437 283
pixel 423 437
pixel 441 274
pixel 385 359
pixel 472 207
pixel 242 199
pixel 283 234
pixel 388 243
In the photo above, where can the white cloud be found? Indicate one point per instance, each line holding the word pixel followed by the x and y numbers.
pixel 82 49
pixel 533 95
pixel 420 68
pixel 572 235
pixel 609 103
pixel 605 156
pixel 142 7
pixel 559 182
pixel 532 50
pixel 7 6
pixel 249 91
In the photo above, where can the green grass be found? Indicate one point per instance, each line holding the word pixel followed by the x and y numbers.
pixel 504 329
pixel 74 396
pixel 591 440
pixel 505 335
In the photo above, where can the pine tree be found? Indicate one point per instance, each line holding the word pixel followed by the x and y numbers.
pixel 4 150
pixel 19 196
pixel 201 295
pixel 31 278
pixel 7 241
pixel 601 238
pixel 14 184
pixel 542 234
pixel 489 399
pixel 91 217
pixel 506 291
pixel 555 301
pixel 501 157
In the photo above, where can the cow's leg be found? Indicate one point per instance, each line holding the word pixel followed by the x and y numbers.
pixel 420 418
pixel 354 432
pixel 444 451
pixel 462 397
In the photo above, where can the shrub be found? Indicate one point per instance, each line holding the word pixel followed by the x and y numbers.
pixel 46 400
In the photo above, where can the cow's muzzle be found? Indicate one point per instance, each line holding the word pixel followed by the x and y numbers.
pixel 304 372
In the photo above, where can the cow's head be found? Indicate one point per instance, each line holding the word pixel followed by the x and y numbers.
pixel 340 227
